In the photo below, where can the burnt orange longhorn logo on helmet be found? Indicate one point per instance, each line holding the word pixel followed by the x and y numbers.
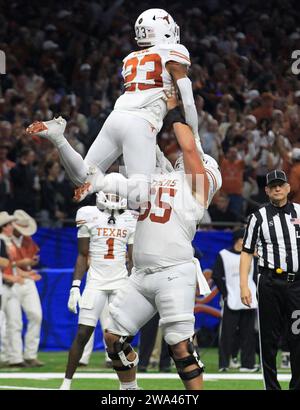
pixel 163 18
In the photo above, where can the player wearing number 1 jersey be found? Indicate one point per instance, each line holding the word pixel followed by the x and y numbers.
pixel 138 114
pixel 104 233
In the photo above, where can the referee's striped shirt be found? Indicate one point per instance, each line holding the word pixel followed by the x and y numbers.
pixel 275 234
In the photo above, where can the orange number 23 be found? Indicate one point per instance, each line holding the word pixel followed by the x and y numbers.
pixel 155 75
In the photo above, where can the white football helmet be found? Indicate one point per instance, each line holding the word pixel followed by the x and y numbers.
pixel 110 201
pixel 156 26
pixel 212 170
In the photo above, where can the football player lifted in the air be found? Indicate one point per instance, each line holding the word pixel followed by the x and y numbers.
pixel 138 114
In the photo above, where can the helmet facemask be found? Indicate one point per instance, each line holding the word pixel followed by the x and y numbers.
pixel 110 201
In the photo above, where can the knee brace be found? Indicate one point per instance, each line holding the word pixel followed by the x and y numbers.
pixel 192 358
pixel 121 350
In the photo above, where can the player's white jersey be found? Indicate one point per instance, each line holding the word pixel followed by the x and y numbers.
pixel 166 227
pixel 107 252
pixel 145 79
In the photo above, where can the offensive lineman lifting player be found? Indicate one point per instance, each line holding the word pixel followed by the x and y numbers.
pixel 165 273
pixel 138 114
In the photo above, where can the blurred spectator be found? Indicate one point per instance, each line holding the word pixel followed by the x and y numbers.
pixel 95 121
pixel 5 185
pixel 211 140
pixel 147 342
pixel 294 176
pixel 235 314
pixel 265 110
pixel 219 211
pixel 11 349
pixel 25 182
pixel 24 252
pixel 54 199
pixel 232 170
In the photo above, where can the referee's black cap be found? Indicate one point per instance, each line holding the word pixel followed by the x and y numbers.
pixel 276 176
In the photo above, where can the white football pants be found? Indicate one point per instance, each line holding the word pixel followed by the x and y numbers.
pixel 170 291
pixel 30 302
pixel 122 133
pixel 12 347
pixel 85 358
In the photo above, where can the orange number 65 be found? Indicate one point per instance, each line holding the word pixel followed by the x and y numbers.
pixel 160 205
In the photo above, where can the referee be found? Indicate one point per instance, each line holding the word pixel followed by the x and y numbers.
pixel 274 232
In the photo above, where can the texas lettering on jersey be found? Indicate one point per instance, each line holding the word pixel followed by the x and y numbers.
pixel 113 232
pixel 107 245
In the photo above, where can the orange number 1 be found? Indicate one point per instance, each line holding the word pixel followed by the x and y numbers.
pixel 110 252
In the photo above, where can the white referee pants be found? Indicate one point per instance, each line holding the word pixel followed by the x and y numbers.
pixel 30 303
pixel 85 358
pixel 12 347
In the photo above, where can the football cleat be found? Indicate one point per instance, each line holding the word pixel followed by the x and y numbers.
pixel 53 130
pixel 82 192
pixel 92 184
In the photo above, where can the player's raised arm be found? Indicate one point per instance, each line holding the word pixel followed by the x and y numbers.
pixel 203 170
pixel 178 72
pixel 193 164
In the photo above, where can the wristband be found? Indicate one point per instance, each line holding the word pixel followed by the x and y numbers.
pixel 175 115
pixel 76 283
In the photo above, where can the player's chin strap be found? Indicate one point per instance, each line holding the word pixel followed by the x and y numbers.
pixel 121 351
pixel 192 358
pixel 112 219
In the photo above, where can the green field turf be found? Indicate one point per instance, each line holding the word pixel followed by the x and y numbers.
pixel 55 363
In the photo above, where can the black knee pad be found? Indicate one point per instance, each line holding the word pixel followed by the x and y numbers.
pixel 121 351
pixel 192 358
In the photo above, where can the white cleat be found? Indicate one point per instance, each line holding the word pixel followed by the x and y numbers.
pixel 92 184
pixel 64 388
pixel 53 130
pixel 66 384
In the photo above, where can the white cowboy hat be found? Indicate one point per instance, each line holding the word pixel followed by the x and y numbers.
pixel 24 223
pixel 5 218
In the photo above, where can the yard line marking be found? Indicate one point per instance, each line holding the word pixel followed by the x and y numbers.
pixel 113 376
pixel 24 388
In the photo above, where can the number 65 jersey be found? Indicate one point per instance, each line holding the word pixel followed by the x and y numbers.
pixel 145 79
pixel 167 225
pixel 108 245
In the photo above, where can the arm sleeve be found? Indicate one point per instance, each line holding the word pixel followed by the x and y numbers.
pixel 251 234
pixel 186 92
pixel 218 276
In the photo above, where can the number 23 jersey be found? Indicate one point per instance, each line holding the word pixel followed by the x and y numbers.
pixel 145 79
pixel 108 245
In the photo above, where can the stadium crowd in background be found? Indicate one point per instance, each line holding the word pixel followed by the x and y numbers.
pixel 247 97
